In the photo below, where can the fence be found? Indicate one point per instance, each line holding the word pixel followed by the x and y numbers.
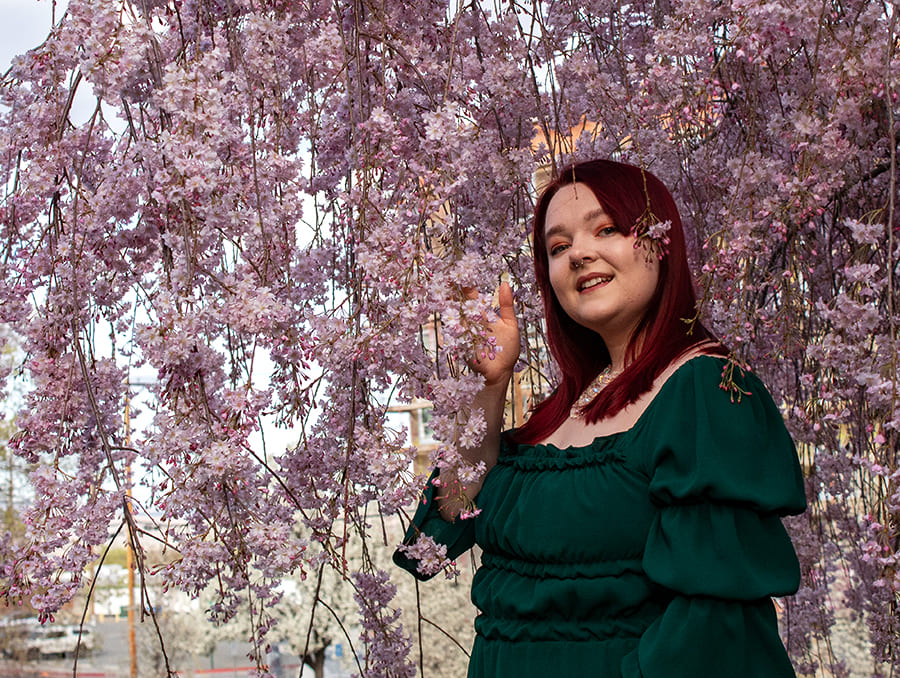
pixel 19 670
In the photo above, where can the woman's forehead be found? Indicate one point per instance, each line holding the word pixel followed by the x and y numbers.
pixel 571 205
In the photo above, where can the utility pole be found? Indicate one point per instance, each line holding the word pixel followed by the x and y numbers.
pixel 129 550
pixel 129 553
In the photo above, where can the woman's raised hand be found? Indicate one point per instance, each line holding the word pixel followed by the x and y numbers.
pixel 495 363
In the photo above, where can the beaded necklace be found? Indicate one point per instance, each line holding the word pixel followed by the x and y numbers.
pixel 592 391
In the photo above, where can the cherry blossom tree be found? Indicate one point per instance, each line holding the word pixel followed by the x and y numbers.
pixel 274 205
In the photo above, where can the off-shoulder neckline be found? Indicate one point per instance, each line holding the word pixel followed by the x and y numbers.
pixel 615 436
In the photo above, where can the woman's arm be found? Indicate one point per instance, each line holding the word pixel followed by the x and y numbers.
pixel 722 472
pixel 491 400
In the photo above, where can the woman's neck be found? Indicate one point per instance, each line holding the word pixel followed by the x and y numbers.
pixel 618 350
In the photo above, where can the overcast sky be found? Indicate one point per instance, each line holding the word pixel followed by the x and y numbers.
pixel 24 24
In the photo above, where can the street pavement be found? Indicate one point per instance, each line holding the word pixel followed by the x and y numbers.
pixel 111 659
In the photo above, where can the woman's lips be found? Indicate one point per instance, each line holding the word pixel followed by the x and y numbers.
pixel 588 281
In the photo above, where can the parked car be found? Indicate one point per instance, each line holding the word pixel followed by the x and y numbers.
pixel 14 632
pixel 62 641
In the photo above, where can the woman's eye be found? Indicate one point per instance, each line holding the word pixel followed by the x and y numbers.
pixel 608 230
pixel 556 249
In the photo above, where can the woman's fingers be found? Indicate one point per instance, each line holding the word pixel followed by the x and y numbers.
pixel 497 356
pixel 505 297
pixel 470 292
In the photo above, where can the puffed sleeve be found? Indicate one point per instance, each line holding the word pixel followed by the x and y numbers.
pixel 722 476
pixel 458 536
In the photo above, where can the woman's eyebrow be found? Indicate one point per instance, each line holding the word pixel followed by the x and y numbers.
pixel 590 216
pixel 553 230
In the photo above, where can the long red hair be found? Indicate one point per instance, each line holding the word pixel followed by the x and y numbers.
pixel 629 195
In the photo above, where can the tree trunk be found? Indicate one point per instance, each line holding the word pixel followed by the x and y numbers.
pixel 316 660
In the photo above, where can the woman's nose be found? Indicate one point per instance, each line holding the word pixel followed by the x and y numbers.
pixel 579 256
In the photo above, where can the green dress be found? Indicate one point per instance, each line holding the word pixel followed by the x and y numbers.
pixel 652 552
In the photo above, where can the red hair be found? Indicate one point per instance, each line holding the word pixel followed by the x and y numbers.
pixel 626 193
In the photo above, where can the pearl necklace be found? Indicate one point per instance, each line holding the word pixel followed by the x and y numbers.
pixel 592 391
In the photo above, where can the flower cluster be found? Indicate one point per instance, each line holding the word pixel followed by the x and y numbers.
pixel 432 557
pixel 653 237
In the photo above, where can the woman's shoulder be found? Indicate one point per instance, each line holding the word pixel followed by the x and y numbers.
pixel 716 432
pixel 709 349
pixel 705 358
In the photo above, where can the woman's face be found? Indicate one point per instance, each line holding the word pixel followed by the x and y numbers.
pixel 600 279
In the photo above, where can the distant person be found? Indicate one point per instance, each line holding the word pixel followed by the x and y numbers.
pixel 275 661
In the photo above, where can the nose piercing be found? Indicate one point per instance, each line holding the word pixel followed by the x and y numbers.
pixel 578 263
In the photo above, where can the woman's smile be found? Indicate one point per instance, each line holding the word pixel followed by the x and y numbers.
pixel 589 282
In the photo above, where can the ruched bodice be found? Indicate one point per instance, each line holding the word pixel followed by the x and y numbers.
pixel 652 552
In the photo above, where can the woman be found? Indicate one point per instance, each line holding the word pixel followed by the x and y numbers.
pixel 632 526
